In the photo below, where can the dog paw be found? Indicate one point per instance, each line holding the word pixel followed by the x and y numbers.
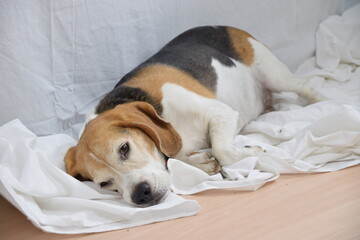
pixel 204 161
pixel 228 156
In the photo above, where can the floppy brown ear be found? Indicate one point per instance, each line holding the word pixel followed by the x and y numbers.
pixel 70 162
pixel 143 116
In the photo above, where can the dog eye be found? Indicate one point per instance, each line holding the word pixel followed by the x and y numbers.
pixel 124 150
pixel 105 184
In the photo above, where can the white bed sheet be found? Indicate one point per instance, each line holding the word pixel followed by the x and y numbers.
pixel 320 137
pixel 33 179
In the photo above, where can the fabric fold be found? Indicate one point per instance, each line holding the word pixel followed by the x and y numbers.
pixel 33 179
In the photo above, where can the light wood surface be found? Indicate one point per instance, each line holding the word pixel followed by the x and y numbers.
pixel 305 206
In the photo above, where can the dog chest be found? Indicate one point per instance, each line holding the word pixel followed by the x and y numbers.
pixel 189 114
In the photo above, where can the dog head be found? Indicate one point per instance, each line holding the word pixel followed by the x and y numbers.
pixel 123 150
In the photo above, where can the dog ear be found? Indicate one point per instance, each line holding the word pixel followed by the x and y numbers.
pixel 72 166
pixel 143 116
pixel 70 163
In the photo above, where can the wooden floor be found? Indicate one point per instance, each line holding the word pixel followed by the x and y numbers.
pixel 315 206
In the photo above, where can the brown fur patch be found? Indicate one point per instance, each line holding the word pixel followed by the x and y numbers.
pixel 103 140
pixel 151 79
pixel 144 141
pixel 95 160
pixel 137 123
pixel 267 100
pixel 239 41
pixel 70 162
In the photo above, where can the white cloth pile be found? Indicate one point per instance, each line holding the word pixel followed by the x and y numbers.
pixel 33 179
pixel 321 137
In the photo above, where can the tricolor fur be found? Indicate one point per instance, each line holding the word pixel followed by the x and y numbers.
pixel 196 93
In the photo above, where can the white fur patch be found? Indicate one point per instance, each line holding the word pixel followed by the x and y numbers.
pixel 185 110
pixel 237 87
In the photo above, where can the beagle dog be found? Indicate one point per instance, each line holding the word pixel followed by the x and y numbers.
pixel 196 93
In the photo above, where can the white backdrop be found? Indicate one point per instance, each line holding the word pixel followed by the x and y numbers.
pixel 57 58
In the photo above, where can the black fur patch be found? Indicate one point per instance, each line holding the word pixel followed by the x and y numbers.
pixel 192 52
pixel 123 94
pixel 81 178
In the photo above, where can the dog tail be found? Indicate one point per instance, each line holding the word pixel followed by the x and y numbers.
pixel 305 90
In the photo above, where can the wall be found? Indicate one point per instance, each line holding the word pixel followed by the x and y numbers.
pixel 57 58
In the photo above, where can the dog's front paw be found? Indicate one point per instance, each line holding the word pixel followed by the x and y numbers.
pixel 204 161
pixel 228 156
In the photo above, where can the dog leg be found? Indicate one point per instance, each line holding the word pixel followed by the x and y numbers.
pixel 224 124
pixel 204 161
pixel 201 117
pixel 277 77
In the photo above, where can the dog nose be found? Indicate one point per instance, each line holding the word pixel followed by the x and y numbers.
pixel 142 194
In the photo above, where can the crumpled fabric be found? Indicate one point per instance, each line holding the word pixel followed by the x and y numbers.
pixel 320 137
pixel 33 179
